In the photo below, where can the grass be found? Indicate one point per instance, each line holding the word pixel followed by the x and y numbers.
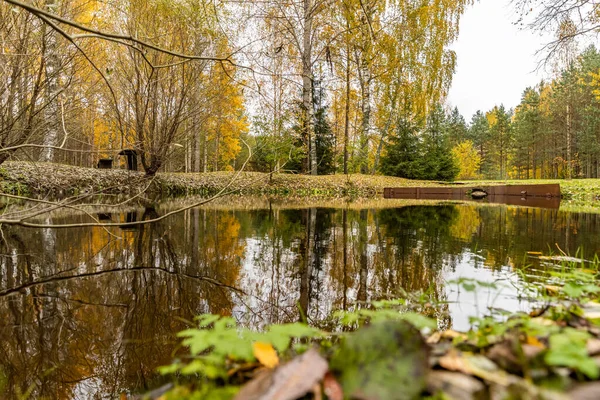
pixel 579 195
pixel 572 188
pixel 43 178
pixel 290 184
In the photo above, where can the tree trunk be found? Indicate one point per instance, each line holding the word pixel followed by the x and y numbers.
pixel 217 139
pixel 309 254
pixel 365 86
pixel 347 111
pixel 204 152
pixel 307 81
pixel 197 154
pixel 51 112
pixel 568 171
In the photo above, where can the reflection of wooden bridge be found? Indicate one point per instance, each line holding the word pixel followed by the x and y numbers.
pixel 547 195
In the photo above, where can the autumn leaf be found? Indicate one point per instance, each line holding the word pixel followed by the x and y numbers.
pixel 265 354
pixel 533 341
pixel 290 381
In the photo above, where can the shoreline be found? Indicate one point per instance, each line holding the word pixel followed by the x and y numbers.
pixel 32 179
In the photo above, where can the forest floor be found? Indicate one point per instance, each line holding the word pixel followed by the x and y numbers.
pixel 30 178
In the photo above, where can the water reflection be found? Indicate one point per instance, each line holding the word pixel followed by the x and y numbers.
pixel 89 312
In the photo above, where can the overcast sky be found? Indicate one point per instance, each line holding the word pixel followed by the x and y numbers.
pixel 496 60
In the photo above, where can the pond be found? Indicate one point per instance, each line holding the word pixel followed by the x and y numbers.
pixel 91 312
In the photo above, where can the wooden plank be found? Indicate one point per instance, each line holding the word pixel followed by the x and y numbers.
pixel 546 190
pixel 507 194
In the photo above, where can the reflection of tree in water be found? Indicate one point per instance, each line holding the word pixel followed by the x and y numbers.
pixel 416 245
pixel 506 234
pixel 105 317
pixel 99 314
pixel 339 258
pixel 419 243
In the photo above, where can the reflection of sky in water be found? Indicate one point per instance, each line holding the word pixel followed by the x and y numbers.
pixel 112 325
pixel 464 304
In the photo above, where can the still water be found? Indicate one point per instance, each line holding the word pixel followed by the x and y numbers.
pixel 91 312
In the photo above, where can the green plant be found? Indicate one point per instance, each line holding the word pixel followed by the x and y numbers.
pixel 218 344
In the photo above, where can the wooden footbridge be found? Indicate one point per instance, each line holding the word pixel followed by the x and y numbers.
pixel 546 195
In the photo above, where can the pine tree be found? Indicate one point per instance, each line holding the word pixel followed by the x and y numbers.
pixel 526 127
pixel 324 142
pixel 479 134
pixel 324 138
pixel 457 127
pixel 501 134
pixel 403 157
pixel 437 155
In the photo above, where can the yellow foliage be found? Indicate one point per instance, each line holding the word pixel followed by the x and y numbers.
pixel 226 120
pixel 595 83
pixel 265 354
pixel 466 224
pixel 467 158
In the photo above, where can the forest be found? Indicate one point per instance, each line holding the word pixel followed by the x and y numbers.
pixel 315 87
pixel 256 255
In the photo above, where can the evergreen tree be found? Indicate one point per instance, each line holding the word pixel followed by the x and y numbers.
pixel 527 128
pixel 589 135
pixel 325 142
pixel 438 163
pixel 403 156
pixel 457 127
pixel 501 135
pixel 324 138
pixel 479 134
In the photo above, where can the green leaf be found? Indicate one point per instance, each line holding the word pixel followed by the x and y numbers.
pixel 419 321
pixel 572 290
pixel 568 349
pixel 280 336
pixel 469 287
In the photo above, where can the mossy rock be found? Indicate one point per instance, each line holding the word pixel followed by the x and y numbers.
pixel 386 360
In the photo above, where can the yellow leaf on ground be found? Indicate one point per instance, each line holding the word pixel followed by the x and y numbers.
pixel 533 341
pixel 266 354
pixel 552 290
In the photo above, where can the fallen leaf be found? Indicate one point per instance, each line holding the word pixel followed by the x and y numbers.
pixel 552 290
pixel 533 341
pixel 434 338
pixel 265 354
pixel 593 346
pixel 586 391
pixel 530 352
pixel 504 356
pixel 455 385
pixel 475 365
pixel 543 321
pixel 450 334
pixel 289 381
pixel 332 388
